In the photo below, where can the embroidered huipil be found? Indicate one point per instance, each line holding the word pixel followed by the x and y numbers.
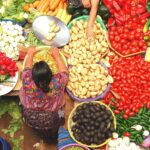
pixel 34 98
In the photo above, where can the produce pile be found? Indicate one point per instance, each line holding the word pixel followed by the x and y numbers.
pixel 53 30
pixel 122 143
pixel 83 77
pixel 76 10
pixel 94 66
pixel 11 106
pixel 131 81
pixel 8 67
pixel 45 55
pixel 73 148
pixel 11 35
pixel 126 23
pixel 45 7
pixel 83 58
pixel 93 123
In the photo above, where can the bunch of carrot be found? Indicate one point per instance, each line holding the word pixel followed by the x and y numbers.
pixel 48 7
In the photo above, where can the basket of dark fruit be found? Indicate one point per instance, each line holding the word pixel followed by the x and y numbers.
pixel 91 124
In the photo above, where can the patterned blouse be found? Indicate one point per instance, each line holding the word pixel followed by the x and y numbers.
pixel 34 98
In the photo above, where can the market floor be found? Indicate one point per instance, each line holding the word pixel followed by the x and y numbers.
pixel 30 138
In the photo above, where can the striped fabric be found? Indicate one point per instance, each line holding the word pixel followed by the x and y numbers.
pixel 63 138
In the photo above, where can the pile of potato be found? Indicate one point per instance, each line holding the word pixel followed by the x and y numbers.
pixel 87 78
pixel 80 49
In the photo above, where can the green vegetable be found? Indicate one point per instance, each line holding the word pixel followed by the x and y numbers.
pixel 31 40
pixel 18 17
pixel 146 26
pixel 16 142
pixel 106 16
pixel 102 10
pixel 148 6
pixel 85 12
pixel 11 106
pixel 70 9
pixel 29 1
pixel 12 9
pixel 146 38
pixel 148 44
pixel 77 13
pixel 4 77
pixel 74 148
pixel 128 125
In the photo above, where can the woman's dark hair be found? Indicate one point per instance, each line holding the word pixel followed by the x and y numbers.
pixel 41 75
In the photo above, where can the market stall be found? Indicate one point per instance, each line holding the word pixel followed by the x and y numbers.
pixel 108 91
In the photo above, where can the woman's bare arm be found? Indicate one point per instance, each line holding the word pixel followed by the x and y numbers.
pixel 61 66
pixel 30 53
pixel 92 18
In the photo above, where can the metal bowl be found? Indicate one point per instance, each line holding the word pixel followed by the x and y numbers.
pixel 41 27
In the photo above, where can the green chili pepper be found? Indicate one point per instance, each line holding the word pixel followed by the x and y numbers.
pixel 146 38
pixel 148 44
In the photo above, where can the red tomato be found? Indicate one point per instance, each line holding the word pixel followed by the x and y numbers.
pixel 116 111
pixel 125 116
pixel 111 37
pixel 126 134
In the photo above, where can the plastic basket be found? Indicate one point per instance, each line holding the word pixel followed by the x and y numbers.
pixel 4 145
pixel 90 99
pixel 70 123
pixel 85 18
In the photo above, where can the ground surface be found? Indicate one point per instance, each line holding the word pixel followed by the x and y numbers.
pixel 30 138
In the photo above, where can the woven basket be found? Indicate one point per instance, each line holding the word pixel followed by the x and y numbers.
pixel 40 48
pixel 70 123
pixel 74 145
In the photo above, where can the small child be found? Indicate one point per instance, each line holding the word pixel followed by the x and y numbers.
pixel 93 4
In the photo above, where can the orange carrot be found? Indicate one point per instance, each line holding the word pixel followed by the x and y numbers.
pixel 49 13
pixel 65 5
pixel 35 4
pixel 46 10
pixel 40 4
pixel 61 4
pixel 54 13
pixel 54 4
pixel 26 7
pixel 44 6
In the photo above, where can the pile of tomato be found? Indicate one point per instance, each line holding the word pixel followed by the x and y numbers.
pixel 125 25
pixel 132 83
pixel 128 38
pixel 7 65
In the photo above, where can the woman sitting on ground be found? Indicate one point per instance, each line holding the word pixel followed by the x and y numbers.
pixel 42 95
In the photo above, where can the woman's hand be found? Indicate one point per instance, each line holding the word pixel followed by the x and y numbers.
pixel 31 50
pixel 30 54
pixel 86 3
pixel 90 34
pixel 55 52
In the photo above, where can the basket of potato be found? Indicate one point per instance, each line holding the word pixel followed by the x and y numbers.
pixel 88 78
pixel 88 82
